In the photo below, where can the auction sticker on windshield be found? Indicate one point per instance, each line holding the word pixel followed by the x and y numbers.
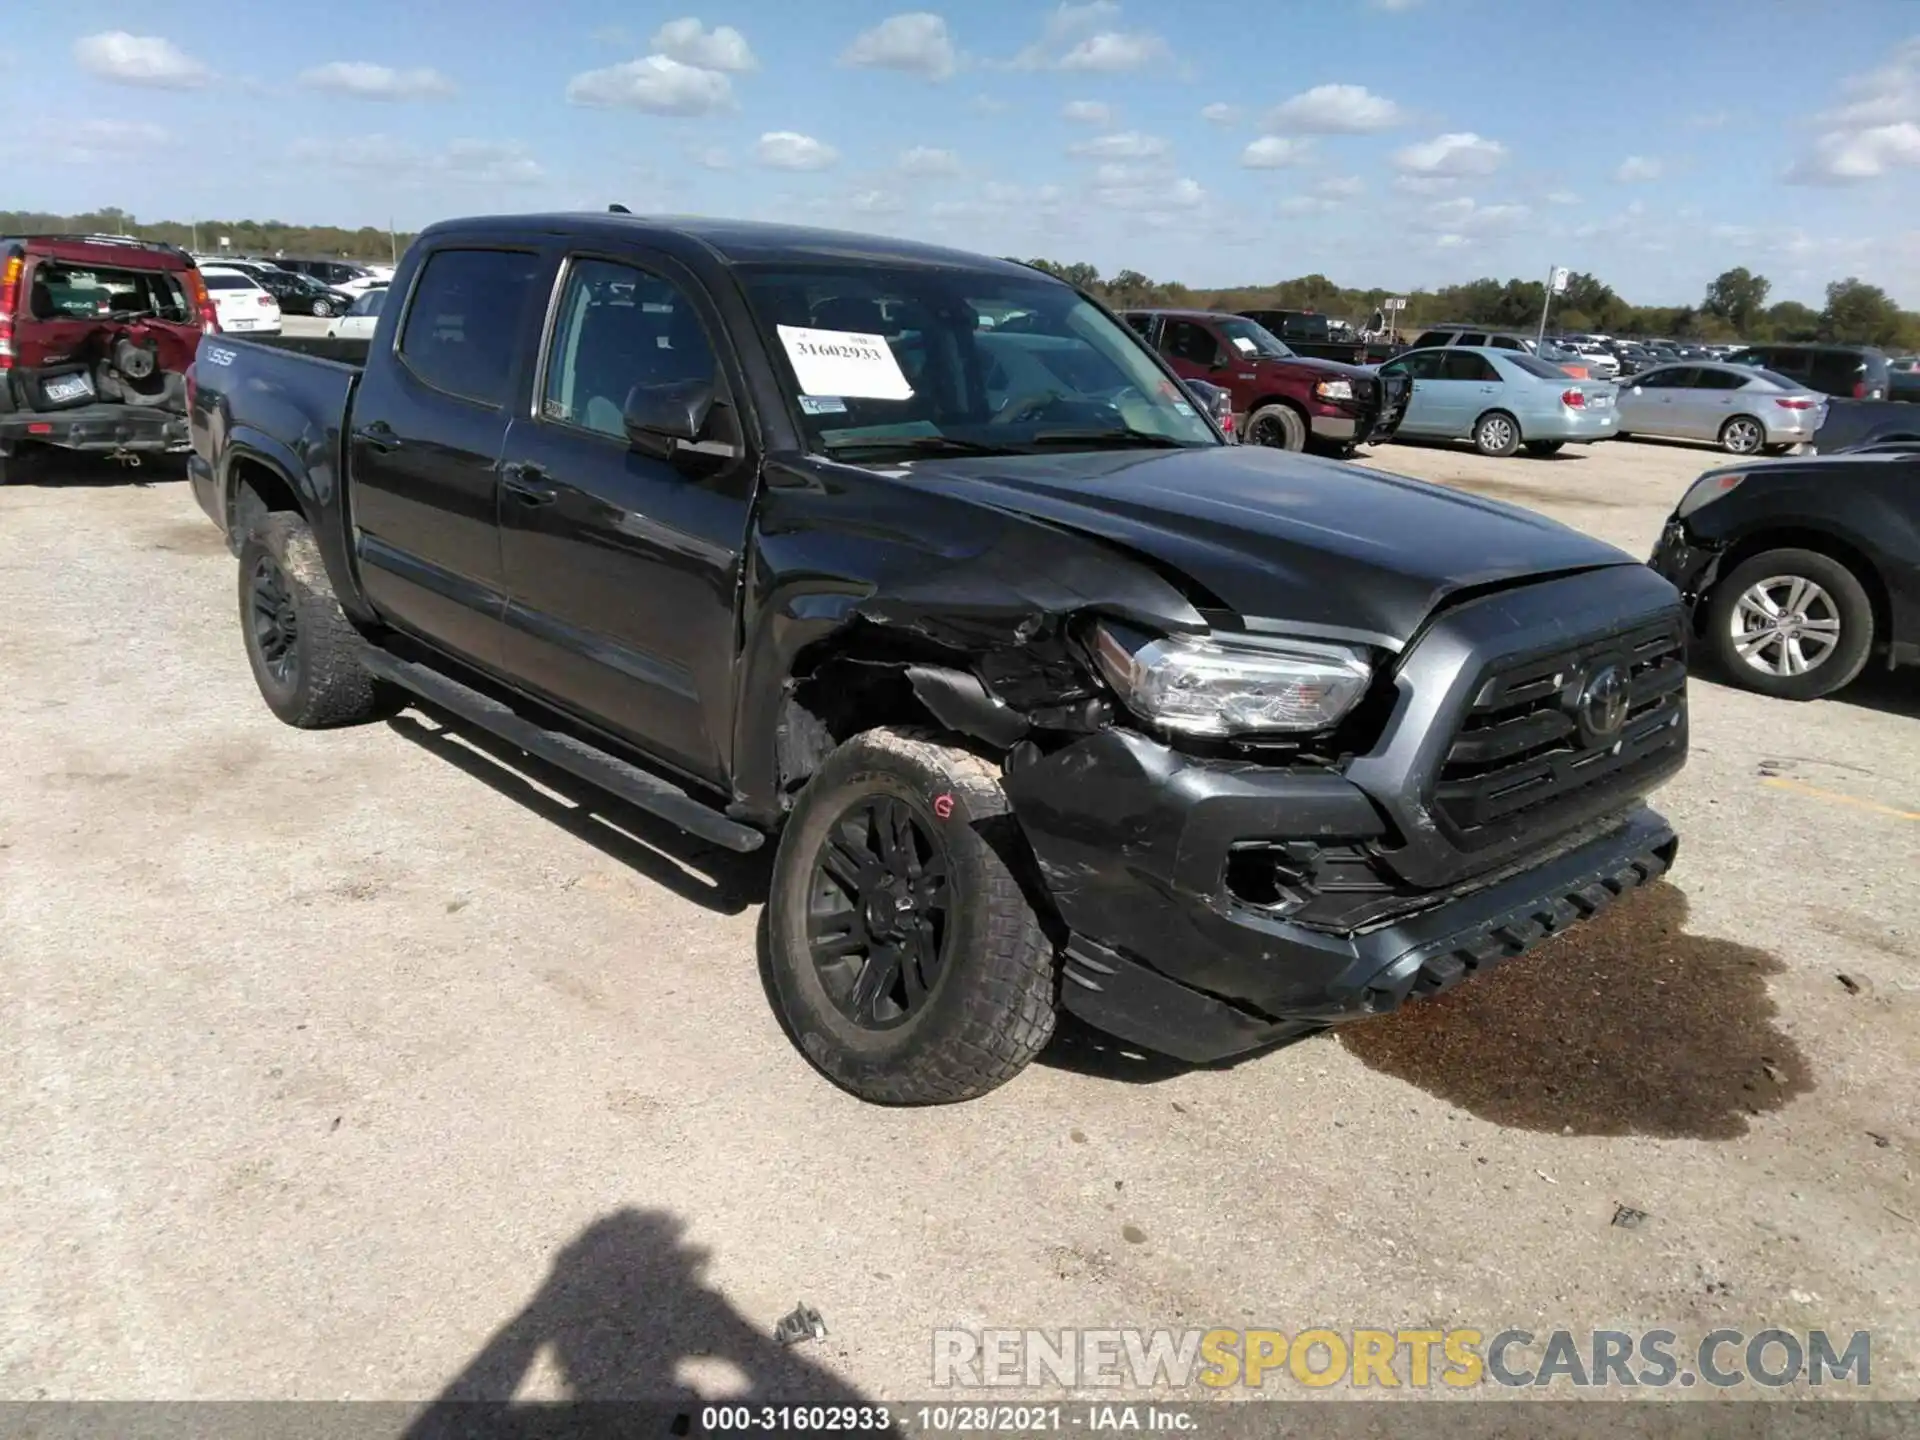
pixel 844 363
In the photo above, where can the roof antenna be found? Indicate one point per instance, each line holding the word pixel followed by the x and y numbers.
pixel 618 209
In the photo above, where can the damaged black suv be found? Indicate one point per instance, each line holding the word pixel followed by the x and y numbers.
pixel 927 566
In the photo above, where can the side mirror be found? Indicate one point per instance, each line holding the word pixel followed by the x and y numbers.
pixel 659 418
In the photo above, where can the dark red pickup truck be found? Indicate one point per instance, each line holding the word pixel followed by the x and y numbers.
pixel 1279 398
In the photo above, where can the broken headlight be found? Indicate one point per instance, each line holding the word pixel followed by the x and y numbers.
pixel 1231 684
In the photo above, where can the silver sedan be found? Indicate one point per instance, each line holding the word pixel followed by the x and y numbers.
pixel 1742 409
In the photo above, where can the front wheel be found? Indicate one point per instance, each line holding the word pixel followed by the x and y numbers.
pixel 1742 435
pixel 321 309
pixel 1278 426
pixel 907 961
pixel 1496 433
pixel 305 655
pixel 1790 623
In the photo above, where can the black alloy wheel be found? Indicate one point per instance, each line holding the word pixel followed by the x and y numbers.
pixel 276 622
pixel 878 912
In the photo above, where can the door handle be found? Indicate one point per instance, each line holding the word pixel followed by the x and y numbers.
pixel 529 483
pixel 378 436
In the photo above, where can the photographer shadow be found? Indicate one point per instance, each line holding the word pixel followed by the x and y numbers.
pixel 620 1320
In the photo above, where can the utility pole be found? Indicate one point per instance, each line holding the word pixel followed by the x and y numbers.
pixel 1556 283
pixel 393 241
pixel 196 237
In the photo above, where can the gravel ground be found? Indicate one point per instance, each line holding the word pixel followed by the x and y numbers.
pixel 375 1064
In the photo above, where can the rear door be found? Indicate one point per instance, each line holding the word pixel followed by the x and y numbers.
pixel 428 422
pixel 1713 399
pixel 622 568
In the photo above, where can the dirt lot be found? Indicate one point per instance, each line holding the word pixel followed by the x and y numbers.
pixel 365 1064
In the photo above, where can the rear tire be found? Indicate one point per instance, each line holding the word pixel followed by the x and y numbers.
pixel 1742 435
pixel 304 654
pixel 1544 447
pixel 1277 426
pixel 903 987
pixel 321 310
pixel 1835 614
pixel 1497 434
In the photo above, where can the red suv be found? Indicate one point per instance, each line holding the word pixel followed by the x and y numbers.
pixel 96 334
pixel 1280 398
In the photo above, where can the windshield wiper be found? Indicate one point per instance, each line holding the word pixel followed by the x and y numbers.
pixel 1122 436
pixel 923 444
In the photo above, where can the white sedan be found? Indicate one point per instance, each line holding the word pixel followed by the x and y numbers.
pixel 243 306
pixel 359 322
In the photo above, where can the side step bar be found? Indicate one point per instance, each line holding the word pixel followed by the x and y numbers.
pixel 612 774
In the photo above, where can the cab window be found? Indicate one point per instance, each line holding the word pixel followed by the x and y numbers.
pixel 618 328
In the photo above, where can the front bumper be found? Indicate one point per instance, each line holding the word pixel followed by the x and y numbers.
pixel 1375 888
pixel 1370 418
pixel 103 428
pixel 1689 568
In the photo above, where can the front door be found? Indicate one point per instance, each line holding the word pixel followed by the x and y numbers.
pixel 425 443
pixel 1422 369
pixel 623 568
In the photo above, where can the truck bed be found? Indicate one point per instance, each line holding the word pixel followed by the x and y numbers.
pixel 321 347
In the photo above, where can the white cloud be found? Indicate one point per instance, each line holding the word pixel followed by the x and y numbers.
pixel 1562 197
pixel 659 85
pixel 691 43
pixel 1270 152
pixel 874 202
pixel 1121 145
pixel 1458 153
pixel 140 60
pixel 1466 216
pixel 1341 187
pixel 1306 205
pixel 1876 129
pixel 1081 37
pixel 1845 157
pixel 1220 113
pixel 1449 242
pixel 1334 110
pixel 480 162
pixel 789 150
pixel 916 42
pixel 1113 51
pixel 1636 168
pixel 1087 112
pixel 366 81
pixel 96 140
pixel 926 160
pixel 1152 195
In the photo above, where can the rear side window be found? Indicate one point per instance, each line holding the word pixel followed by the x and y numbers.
pixel 463 321
pixel 1718 380
pixel 1464 365
pixel 1836 370
pixel 1469 337
pixel 1507 342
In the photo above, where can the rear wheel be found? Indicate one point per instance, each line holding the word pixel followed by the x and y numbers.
pixel 1742 435
pixel 1496 433
pixel 1544 447
pixel 1279 426
pixel 321 309
pixel 908 963
pixel 304 654
pixel 1791 623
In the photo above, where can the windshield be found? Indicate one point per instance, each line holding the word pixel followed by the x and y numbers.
pixel 910 360
pixel 1251 338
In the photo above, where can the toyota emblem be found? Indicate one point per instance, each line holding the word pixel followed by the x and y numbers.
pixel 1602 707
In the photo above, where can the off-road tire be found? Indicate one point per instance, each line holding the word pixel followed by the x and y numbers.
pixel 1544 448
pixel 1490 438
pixel 328 685
pixel 1849 654
pixel 1281 420
pixel 991 1008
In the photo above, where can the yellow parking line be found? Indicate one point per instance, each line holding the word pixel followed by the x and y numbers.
pixel 1803 788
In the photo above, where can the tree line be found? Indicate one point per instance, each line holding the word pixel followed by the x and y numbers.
pixel 1734 307
pixel 244 237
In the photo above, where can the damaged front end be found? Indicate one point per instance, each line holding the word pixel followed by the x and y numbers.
pixel 1369 823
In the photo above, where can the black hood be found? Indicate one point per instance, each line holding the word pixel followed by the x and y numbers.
pixel 1283 536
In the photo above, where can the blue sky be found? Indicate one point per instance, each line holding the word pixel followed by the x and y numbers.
pixel 1392 142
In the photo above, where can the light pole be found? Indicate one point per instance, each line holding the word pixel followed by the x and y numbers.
pixel 1556 284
